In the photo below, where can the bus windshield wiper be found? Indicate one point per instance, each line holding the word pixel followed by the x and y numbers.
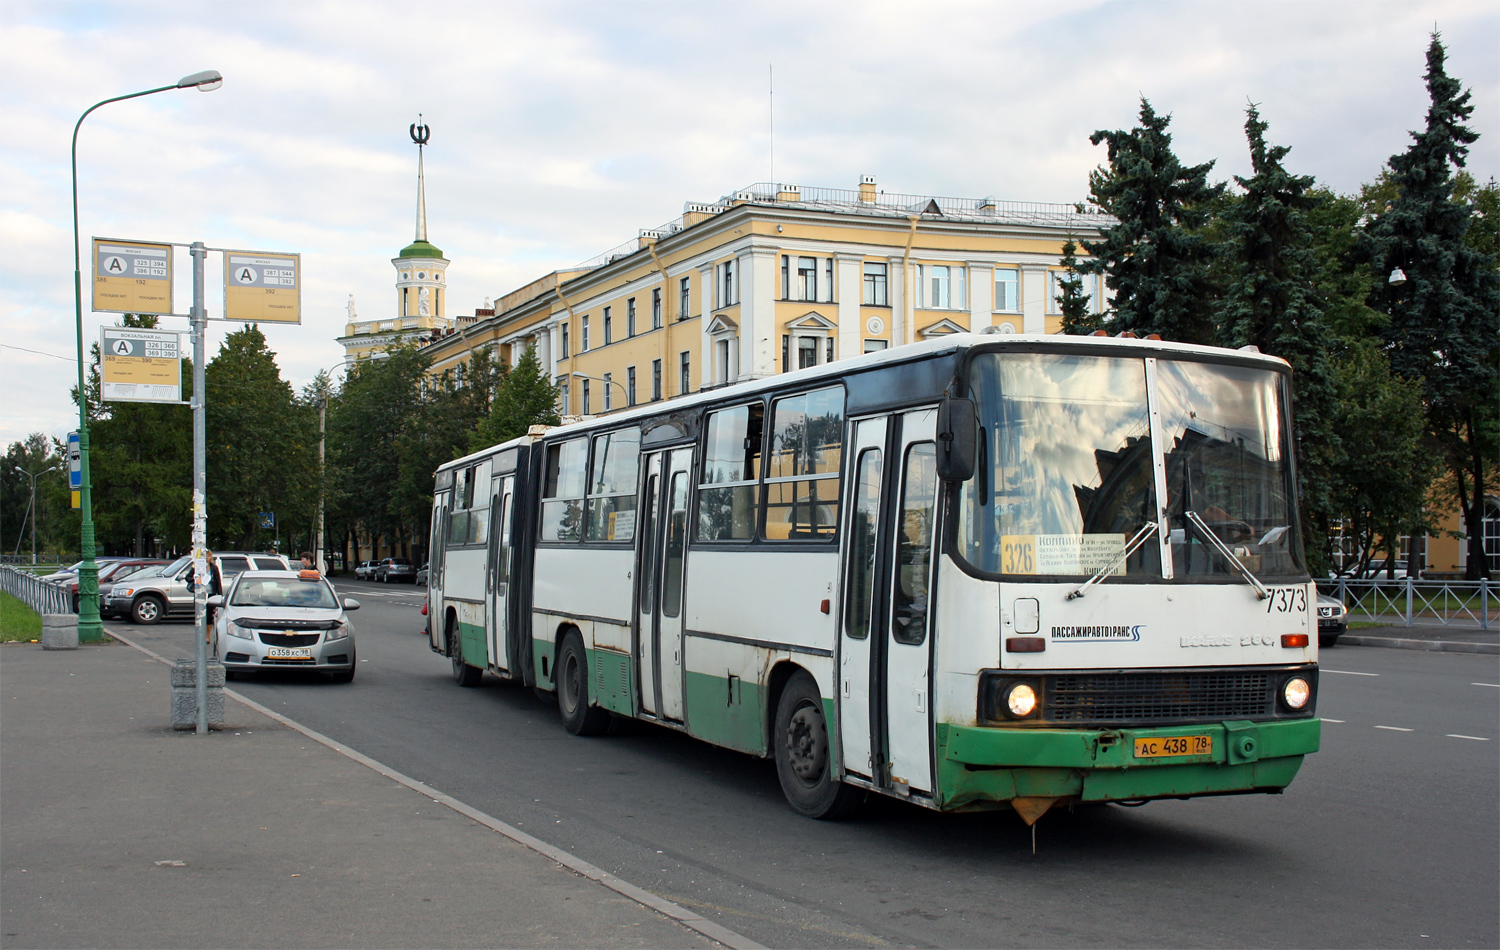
pixel 1116 561
pixel 1224 549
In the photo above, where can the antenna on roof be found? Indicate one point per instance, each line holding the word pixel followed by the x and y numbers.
pixel 771 116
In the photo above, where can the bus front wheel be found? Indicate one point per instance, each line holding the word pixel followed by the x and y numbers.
pixel 801 751
pixel 463 673
pixel 578 716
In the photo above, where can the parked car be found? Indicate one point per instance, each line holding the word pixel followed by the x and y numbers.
pixel 395 570
pixel 148 599
pixel 421 580
pixel 71 571
pixel 366 570
pixel 1333 620
pixel 106 591
pixel 109 572
pixel 284 620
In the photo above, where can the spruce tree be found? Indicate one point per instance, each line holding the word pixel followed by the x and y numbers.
pixel 1270 302
pixel 1077 320
pixel 1443 317
pixel 524 398
pixel 1155 261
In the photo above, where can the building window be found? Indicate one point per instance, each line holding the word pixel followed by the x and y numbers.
pixel 877 293
pixel 684 299
pixel 875 346
pixel 726 285
pixel 1054 290
pixel 630 385
pixel 941 287
pixel 562 396
pixel 583 346
pixel 786 279
pixel 828 280
pixel 721 348
pixel 1007 290
pixel 585 384
pixel 807 351
pixel 562 342
pixel 830 350
pixel 807 278
pixel 609 393
pixel 685 381
pixel 655 380
pixel 656 309
pixel 609 330
pixel 630 317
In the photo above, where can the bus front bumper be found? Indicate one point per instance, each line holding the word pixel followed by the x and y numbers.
pixel 979 766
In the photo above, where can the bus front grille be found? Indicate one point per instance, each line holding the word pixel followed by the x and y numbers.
pixel 1159 697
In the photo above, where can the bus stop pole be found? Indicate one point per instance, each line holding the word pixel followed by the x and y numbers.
pixel 203 572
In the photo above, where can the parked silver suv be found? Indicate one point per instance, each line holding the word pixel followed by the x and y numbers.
pixel 151 599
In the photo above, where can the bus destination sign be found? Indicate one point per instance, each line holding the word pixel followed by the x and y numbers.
pixel 140 365
pixel 262 287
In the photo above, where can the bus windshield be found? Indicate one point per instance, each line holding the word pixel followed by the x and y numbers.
pixel 1068 473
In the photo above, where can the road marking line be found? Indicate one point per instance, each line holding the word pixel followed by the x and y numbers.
pixel 1348 672
pixel 1496 685
pixel 666 908
pixel 1333 720
pixel 1395 728
pixel 1454 735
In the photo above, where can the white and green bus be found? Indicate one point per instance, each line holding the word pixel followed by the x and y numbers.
pixel 970 572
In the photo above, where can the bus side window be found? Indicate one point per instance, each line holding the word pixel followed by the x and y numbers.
pixel 671 586
pixel 731 466
pixel 562 496
pixel 802 469
pixel 862 545
pixel 909 609
pixel 612 488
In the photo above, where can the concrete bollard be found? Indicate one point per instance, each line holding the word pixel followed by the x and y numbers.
pixel 59 631
pixel 185 694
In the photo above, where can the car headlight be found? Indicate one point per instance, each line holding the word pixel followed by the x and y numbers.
pixel 340 632
pixel 1295 692
pixel 1020 699
pixel 122 593
pixel 235 630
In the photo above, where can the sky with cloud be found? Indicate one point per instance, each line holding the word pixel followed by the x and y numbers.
pixel 559 129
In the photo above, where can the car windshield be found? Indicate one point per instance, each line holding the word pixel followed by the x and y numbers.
pixel 283 592
pixel 1068 473
pixel 153 570
pixel 177 565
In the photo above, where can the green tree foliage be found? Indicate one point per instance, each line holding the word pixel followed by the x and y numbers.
pixel 524 397
pixel 261 445
pixel 1271 302
pixel 1443 318
pixel 1155 260
pixel 50 515
pixel 1073 301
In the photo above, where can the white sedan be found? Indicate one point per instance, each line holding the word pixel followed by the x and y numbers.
pixel 284 620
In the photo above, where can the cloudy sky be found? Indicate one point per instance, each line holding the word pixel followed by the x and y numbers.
pixel 559 129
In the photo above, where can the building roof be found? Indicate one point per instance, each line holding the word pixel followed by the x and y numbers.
pixel 420 249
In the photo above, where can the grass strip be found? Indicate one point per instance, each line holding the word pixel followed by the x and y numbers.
pixel 18 621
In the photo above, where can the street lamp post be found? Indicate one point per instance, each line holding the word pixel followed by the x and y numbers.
pixel 89 628
pixel 31 507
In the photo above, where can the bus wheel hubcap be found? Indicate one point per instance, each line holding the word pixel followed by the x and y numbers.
pixel 805 744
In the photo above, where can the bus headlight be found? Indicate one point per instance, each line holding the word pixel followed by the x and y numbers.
pixel 1295 692
pixel 1020 699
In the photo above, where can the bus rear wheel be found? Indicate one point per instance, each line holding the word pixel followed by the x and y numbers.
pixel 800 748
pixel 463 673
pixel 578 716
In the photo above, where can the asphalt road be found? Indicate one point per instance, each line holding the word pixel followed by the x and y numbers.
pixel 1387 838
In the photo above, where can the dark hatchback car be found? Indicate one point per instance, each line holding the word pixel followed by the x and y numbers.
pixel 392 570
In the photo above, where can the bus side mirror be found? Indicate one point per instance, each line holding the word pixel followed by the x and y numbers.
pixel 957 434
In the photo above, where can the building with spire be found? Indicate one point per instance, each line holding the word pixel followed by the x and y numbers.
pixel 421 287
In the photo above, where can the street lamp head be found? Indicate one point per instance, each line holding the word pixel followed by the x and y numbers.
pixel 206 81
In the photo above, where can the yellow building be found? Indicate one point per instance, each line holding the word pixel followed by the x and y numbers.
pixel 421 292
pixel 774 278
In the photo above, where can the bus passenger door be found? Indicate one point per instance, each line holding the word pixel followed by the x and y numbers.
pixel 660 563
pixel 911 535
pixel 860 609
pixel 498 628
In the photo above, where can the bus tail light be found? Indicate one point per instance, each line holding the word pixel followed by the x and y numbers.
pixel 1025 644
pixel 1294 639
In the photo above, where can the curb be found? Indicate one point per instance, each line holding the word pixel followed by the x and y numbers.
pixel 1430 646
pixel 689 920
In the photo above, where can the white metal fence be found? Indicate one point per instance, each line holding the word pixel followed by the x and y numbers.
pixel 1409 602
pixel 40 596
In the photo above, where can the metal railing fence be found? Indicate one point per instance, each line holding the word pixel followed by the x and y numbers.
pixel 1408 601
pixel 40 596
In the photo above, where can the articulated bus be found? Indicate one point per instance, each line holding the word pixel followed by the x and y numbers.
pixel 970 572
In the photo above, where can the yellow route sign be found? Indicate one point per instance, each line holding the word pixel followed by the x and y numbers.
pixel 140 365
pixel 262 288
pixel 132 277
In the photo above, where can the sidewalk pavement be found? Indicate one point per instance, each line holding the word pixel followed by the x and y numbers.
pixel 1458 636
pixel 119 832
